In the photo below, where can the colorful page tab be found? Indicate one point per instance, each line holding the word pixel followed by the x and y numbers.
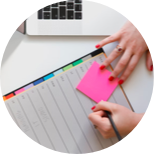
pixel 77 62
pixel 38 81
pixel 19 91
pixel 95 83
pixel 58 72
pixel 29 86
pixel 4 98
pixel 67 67
pixel 86 58
pixel 48 76
pixel 9 96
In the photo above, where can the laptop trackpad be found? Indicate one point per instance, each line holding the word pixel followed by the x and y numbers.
pixel 56 27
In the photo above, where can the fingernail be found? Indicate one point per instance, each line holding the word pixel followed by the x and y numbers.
pixel 151 68
pixel 102 67
pixel 97 46
pixel 121 81
pixel 111 78
pixel 93 107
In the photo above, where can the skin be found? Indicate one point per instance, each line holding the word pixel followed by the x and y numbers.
pixel 124 119
pixel 134 47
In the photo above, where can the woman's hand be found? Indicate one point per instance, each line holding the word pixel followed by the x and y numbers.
pixel 124 119
pixel 133 46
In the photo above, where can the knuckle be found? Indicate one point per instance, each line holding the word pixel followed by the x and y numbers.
pixel 90 116
pixel 107 61
pixel 100 103
pixel 131 68
pixel 107 129
pixel 115 73
pixel 111 38
pixel 122 63
pixel 139 52
pixel 133 45
pixel 114 107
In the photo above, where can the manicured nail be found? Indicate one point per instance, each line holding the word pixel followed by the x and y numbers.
pixel 151 68
pixel 102 67
pixel 97 46
pixel 121 81
pixel 111 78
pixel 93 107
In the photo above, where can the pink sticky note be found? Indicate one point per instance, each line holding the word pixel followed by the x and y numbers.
pixel 95 83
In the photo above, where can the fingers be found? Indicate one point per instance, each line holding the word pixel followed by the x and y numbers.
pixel 99 121
pixel 99 113
pixel 129 69
pixel 121 65
pixel 96 117
pixel 149 63
pixel 105 106
pixel 107 132
pixel 114 54
pixel 107 40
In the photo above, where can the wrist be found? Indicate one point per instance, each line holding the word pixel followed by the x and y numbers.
pixel 136 119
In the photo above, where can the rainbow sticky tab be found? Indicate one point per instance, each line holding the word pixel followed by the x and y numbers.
pixel 48 76
pixel 95 83
pixel 4 98
pixel 9 96
pixel 19 91
pixel 38 81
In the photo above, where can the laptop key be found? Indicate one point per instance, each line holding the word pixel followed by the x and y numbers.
pixel 70 5
pixel 78 1
pixel 55 5
pixel 78 15
pixel 62 3
pixel 62 11
pixel 54 13
pixel 40 14
pixel 46 15
pixel 78 8
pixel 47 8
pixel 70 14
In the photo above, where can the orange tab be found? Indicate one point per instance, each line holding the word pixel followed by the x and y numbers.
pixel 9 96
pixel 4 98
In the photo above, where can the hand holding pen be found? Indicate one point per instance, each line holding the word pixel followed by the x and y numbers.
pixel 124 120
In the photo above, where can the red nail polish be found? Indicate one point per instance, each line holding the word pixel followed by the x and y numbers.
pixel 121 81
pixel 93 107
pixel 97 46
pixel 102 67
pixel 151 68
pixel 111 78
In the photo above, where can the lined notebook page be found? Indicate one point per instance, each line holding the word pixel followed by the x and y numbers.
pixel 55 114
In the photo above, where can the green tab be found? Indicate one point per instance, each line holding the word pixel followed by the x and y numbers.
pixel 77 62
pixel 67 67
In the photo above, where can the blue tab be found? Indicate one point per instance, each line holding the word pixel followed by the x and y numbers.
pixel 48 76
pixel 38 81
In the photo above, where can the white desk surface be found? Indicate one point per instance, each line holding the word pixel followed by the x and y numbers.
pixel 29 57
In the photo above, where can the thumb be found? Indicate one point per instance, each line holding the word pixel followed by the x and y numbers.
pixel 149 63
pixel 105 106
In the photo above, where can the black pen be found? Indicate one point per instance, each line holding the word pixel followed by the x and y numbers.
pixel 113 125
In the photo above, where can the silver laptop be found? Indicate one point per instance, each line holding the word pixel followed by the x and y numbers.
pixel 75 17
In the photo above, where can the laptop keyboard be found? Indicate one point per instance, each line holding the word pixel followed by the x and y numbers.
pixel 66 10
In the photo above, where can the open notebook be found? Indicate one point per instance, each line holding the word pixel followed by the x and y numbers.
pixel 54 113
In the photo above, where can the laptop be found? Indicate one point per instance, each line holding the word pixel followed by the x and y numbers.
pixel 75 17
